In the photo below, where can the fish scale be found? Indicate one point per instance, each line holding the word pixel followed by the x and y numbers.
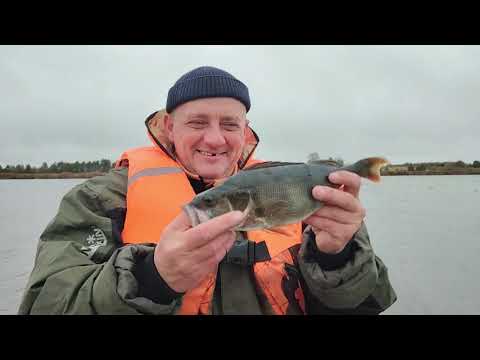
pixel 296 198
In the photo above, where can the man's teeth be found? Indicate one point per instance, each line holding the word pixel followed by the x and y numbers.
pixel 208 154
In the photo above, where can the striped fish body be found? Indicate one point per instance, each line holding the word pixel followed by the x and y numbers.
pixel 272 194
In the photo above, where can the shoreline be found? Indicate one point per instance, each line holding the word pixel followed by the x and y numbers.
pixel 62 175
pixel 88 175
pixel 422 173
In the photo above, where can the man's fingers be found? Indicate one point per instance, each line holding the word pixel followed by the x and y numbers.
pixel 351 181
pixel 326 243
pixel 202 234
pixel 209 266
pixel 217 248
pixel 339 215
pixel 333 228
pixel 337 198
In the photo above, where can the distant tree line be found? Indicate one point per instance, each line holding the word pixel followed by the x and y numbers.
pixel 439 165
pixel 103 165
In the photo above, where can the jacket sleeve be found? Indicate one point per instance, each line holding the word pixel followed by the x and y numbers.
pixel 360 286
pixel 81 265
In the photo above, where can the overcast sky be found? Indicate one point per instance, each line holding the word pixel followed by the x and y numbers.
pixel 407 103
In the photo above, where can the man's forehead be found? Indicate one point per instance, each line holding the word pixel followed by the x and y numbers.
pixel 210 115
pixel 213 107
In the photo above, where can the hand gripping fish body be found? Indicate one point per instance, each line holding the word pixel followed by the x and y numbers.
pixel 273 194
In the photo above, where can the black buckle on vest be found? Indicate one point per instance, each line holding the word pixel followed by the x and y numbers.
pixel 247 252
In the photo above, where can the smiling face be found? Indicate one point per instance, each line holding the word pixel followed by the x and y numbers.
pixel 208 134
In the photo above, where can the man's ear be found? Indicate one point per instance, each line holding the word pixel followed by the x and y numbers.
pixel 247 122
pixel 168 126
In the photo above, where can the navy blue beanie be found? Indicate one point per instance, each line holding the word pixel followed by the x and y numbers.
pixel 206 82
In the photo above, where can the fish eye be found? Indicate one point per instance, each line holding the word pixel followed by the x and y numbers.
pixel 208 200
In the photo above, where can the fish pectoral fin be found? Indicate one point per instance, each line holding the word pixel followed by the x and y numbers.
pixel 276 209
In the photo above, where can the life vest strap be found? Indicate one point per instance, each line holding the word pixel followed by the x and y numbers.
pixel 247 252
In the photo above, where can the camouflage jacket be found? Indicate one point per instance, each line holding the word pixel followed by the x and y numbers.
pixel 82 266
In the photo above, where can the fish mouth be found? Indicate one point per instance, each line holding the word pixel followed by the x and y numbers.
pixel 196 215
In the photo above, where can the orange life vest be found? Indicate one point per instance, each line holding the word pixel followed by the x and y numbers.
pixel 157 190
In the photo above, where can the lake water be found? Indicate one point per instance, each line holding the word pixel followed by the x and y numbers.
pixel 426 229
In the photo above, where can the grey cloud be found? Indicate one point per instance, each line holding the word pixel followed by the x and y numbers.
pixel 409 103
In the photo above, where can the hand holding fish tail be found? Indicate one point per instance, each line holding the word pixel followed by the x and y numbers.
pixel 340 218
pixel 184 256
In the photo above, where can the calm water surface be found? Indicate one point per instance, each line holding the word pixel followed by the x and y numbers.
pixel 425 228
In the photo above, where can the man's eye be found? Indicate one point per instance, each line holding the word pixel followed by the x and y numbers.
pixel 231 126
pixel 197 123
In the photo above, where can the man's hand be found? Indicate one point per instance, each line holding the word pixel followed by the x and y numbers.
pixel 184 256
pixel 340 218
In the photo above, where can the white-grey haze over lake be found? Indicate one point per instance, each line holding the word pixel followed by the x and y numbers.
pixel 407 103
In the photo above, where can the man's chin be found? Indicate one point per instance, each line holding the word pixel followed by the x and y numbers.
pixel 211 175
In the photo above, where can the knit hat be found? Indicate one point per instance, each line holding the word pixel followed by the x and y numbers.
pixel 206 82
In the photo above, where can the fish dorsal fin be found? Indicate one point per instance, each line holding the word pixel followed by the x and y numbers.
pixel 268 164
pixel 323 162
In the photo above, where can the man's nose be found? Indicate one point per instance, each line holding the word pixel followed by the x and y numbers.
pixel 214 136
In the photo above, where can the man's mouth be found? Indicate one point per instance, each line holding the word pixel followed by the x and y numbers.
pixel 211 154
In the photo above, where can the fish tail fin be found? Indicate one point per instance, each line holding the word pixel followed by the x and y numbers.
pixel 368 168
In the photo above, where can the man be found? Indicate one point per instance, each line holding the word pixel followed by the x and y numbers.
pixel 121 244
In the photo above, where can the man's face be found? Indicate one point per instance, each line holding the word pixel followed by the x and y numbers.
pixel 208 134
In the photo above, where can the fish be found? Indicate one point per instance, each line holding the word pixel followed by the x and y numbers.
pixel 272 194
